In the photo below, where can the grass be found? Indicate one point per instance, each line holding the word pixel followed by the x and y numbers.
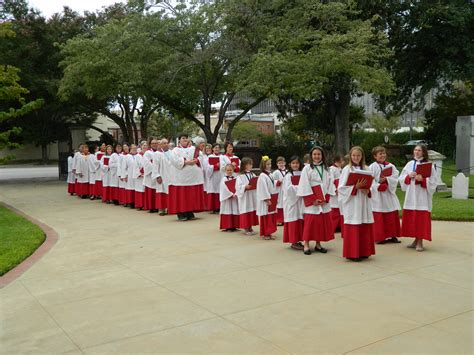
pixel 19 238
pixel 447 209
pixel 449 170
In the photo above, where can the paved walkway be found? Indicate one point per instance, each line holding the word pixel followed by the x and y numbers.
pixel 126 281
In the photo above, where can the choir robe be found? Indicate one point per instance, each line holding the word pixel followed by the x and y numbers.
pixel 385 204
pixel 127 173
pixel 82 175
pixel 356 208
pixel 247 200
pixel 122 184
pixel 293 210
pixel 148 181
pixel 278 175
pixel 94 166
pixel 98 186
pixel 186 186
pixel 113 178
pixel 160 168
pixel 317 219
pixel 104 168
pixel 205 174
pixel 138 171
pixel 416 215
pixel 335 173
pixel 213 177
pixel 229 207
pixel 265 189
pixel 226 160
pixel 71 179
pixel 75 160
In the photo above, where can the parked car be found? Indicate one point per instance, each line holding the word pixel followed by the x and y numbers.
pixel 416 142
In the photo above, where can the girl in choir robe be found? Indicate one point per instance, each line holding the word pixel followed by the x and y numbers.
pixel 114 180
pixel 71 179
pixel 247 197
pixel 293 206
pixel 278 175
pixel 98 186
pixel 122 175
pixel 127 174
pixel 207 150
pixel 94 166
pixel 385 204
pixel 230 158
pixel 186 186
pixel 138 175
pixel 214 178
pixel 148 181
pixel 229 208
pixel 267 195
pixel 82 173
pixel 335 172
pixel 317 216
pixel 160 173
pixel 105 169
pixel 75 159
pixel 357 210
pixel 419 190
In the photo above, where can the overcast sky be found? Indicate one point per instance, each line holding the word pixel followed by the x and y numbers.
pixel 49 7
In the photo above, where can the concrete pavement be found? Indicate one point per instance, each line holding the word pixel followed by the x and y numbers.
pixel 24 172
pixel 120 280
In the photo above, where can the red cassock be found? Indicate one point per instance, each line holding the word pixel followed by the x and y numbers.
pixel 248 220
pixel 293 231
pixel 229 221
pixel 336 219
pixel 213 203
pixel 149 199
pixel 416 224
pixel 386 224
pixel 71 188
pixel 268 224
pixel 358 240
pixel 279 216
pixel 318 227
pixel 138 199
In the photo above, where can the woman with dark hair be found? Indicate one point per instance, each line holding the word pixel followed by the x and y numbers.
pixel 416 215
pixel 230 158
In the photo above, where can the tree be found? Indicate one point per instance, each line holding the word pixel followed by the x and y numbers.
pixel 323 50
pixel 385 125
pixel 163 125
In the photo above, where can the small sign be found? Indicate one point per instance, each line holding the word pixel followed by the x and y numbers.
pixel 386 139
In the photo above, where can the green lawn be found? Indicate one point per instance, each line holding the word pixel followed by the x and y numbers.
pixel 19 238
pixel 447 209
pixel 449 170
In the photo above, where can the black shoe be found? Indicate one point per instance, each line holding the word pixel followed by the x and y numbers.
pixel 307 252
pixel 355 259
pixel 190 216
pixel 116 203
pixel 382 242
pixel 393 240
pixel 132 206
pixel 364 257
pixel 83 197
pixel 320 250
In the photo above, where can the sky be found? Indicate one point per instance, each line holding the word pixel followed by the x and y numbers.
pixel 49 7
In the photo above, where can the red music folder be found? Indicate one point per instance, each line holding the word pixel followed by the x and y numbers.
pixel 99 156
pixel 274 201
pixel 386 172
pixel 253 183
pixel 360 175
pixel 336 183
pixel 235 160
pixel 317 195
pixel 424 169
pixel 295 179
pixel 213 160
pixel 231 185
pixel 196 153
pixel 106 161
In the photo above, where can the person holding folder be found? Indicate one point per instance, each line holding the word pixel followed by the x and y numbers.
pixel 214 176
pixel 247 197
pixel 229 208
pixel 418 180
pixel 385 204
pixel 354 197
pixel 267 198
pixel 315 187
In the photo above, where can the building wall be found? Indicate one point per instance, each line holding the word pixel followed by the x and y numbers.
pixel 30 152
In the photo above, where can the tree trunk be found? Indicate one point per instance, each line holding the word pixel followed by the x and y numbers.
pixel 44 154
pixel 342 104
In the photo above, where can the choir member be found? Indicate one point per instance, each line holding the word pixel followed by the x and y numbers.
pixel 335 172
pixel 229 208
pixel 317 211
pixel 230 158
pixel 71 179
pixel 127 175
pixel 138 175
pixel 114 180
pixel 160 173
pixel 148 181
pixel 293 206
pixel 98 187
pixel 419 190
pixel 207 150
pixel 106 174
pixel 121 172
pixel 186 188
pixel 357 209
pixel 267 199
pixel 82 173
pixel 94 166
pixel 385 204
pixel 278 175
pixel 247 196
pixel 214 178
